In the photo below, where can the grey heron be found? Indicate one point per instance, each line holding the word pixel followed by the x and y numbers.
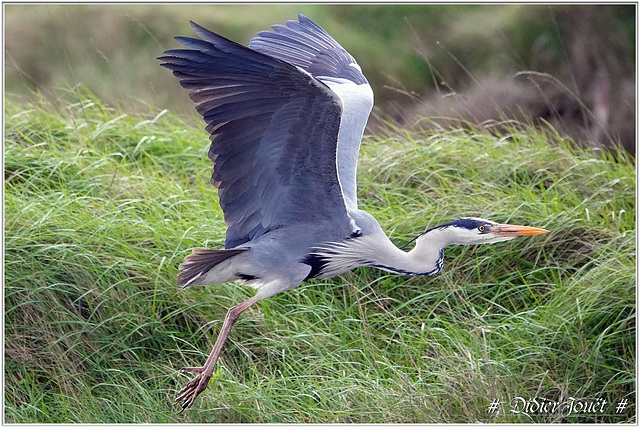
pixel 285 116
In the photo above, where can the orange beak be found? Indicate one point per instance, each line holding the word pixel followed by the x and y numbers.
pixel 508 230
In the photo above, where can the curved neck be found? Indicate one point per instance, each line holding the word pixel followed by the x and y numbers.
pixel 376 250
pixel 426 258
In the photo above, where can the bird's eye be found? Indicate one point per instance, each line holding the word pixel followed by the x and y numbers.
pixel 481 228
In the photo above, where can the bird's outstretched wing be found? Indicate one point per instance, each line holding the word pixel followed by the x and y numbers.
pixel 273 131
pixel 305 44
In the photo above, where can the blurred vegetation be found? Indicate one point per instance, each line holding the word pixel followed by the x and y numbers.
pixel 404 50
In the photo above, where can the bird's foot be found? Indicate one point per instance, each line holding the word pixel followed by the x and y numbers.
pixel 198 384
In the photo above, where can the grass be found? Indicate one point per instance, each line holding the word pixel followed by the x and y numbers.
pixel 101 206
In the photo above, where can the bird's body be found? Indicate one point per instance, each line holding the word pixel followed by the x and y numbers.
pixel 286 116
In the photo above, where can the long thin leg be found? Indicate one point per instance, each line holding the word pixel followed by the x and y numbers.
pixel 189 393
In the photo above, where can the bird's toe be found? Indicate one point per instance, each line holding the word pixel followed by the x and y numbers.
pixel 192 369
pixel 188 394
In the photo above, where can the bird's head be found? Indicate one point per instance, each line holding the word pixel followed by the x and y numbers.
pixel 470 231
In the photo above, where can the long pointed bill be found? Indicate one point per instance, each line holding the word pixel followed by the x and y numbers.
pixel 508 230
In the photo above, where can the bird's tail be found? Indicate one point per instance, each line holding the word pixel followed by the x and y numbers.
pixel 201 261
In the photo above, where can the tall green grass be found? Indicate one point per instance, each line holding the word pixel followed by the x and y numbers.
pixel 100 208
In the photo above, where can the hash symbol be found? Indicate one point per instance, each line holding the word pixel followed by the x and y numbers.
pixel 621 405
pixel 493 407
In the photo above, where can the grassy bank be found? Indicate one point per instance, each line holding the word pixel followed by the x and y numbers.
pixel 100 208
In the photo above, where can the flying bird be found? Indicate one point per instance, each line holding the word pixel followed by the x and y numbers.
pixel 285 117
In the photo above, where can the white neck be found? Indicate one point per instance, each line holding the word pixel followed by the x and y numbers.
pixel 378 251
pixel 424 259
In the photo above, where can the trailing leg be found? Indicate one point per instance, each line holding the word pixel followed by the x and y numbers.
pixel 189 393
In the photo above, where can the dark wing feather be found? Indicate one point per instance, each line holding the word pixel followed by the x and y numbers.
pixel 305 44
pixel 273 136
